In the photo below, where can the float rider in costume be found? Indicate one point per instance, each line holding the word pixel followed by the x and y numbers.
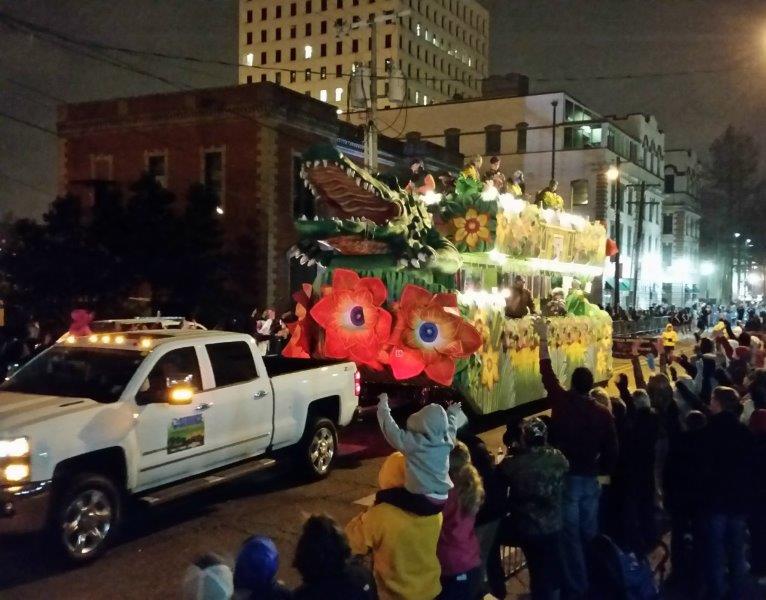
pixel 517 187
pixel 548 197
pixel 495 175
pixel 576 303
pixel 520 303
pixel 471 169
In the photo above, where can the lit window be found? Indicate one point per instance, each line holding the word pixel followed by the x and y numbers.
pixel 307 51
pixel 417 97
pixel 427 36
pixel 425 99
pixel 338 94
pixel 469 61
pixel 249 59
pixel 323 95
pixel 417 30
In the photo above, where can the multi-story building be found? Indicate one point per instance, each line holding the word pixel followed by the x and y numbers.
pixel 681 227
pixel 577 152
pixel 242 142
pixel 440 46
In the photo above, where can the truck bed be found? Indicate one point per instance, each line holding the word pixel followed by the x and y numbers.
pixel 279 365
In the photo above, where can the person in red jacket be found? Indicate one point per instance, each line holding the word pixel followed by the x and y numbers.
pixel 585 433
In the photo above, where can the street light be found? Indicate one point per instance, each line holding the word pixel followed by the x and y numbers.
pixel 736 235
pixel 753 278
pixel 707 268
pixel 613 172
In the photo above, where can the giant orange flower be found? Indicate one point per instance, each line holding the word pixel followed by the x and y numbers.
pixel 303 329
pixel 355 326
pixel 429 336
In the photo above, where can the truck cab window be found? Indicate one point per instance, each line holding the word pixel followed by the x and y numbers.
pixel 175 366
pixel 232 363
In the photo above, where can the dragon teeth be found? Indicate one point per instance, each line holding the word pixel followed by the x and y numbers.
pixel 304 259
pixel 303 218
pixel 358 180
pixel 414 262
pixel 422 257
pixel 403 262
pixel 316 217
pixel 324 162
pixel 316 163
pixel 311 263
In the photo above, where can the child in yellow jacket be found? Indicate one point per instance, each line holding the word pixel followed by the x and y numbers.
pixel 401 530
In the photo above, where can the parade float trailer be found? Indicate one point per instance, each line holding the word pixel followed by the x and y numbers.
pixel 416 286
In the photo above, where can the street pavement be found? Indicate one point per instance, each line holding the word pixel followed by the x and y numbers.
pixel 158 545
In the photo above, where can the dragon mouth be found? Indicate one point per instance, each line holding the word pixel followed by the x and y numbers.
pixel 342 192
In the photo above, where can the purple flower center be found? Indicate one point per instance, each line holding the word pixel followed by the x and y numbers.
pixel 357 316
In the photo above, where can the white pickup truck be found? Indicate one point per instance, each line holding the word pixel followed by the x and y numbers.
pixel 155 415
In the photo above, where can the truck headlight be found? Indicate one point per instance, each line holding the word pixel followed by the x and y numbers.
pixel 15 448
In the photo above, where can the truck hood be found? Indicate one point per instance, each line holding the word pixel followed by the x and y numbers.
pixel 20 411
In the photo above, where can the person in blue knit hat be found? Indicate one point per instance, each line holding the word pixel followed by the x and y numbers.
pixel 255 572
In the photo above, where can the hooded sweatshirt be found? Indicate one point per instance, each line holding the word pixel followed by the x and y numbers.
pixel 402 531
pixel 426 444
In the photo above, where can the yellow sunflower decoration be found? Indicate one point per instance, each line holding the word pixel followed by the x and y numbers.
pixel 472 228
pixel 490 372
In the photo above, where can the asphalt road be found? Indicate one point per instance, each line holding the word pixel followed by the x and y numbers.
pixel 157 545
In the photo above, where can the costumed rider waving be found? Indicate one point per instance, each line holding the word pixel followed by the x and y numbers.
pixel 496 175
pixel 576 303
pixel 520 303
pixel 548 197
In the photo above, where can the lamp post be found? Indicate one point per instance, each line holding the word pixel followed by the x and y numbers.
pixel 554 104
pixel 613 174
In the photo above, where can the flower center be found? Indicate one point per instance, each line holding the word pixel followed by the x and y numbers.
pixel 356 316
pixel 472 225
pixel 428 332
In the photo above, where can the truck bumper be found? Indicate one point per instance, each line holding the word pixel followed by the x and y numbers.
pixel 25 508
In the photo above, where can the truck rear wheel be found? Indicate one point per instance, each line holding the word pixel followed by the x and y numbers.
pixel 319 447
pixel 86 518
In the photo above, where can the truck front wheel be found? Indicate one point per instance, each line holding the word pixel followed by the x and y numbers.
pixel 86 518
pixel 319 447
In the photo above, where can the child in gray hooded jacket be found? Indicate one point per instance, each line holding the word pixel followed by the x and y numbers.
pixel 426 445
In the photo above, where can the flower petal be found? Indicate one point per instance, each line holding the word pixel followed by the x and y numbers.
pixel 460 234
pixel 482 218
pixel 405 362
pixel 376 288
pixel 459 222
pixel 414 295
pixel 324 310
pixel 441 370
pixel 344 279
pixel 471 239
pixel 383 326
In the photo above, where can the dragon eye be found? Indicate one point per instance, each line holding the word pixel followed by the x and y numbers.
pixel 356 316
pixel 428 332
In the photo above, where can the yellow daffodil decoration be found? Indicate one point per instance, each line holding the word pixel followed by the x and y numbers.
pixel 490 372
pixel 471 228
pixel 472 221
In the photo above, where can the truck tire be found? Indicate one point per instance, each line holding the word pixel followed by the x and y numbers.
pixel 319 447
pixel 86 517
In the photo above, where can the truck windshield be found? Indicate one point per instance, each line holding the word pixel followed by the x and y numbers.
pixel 96 373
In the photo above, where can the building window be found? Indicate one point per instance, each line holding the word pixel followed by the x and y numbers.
pixel 101 167
pixel 492 139
pixel 670 183
pixel 249 16
pixel 278 34
pixel 264 58
pixel 354 45
pixel 339 3
pixel 667 255
pixel 279 12
pixel 580 192
pixel 521 137
pixel 323 5
pixel 293 9
pixel 264 14
pixel 451 137
pixel 323 27
pixel 307 51
pixel 308 29
pixel 264 78
pixel 293 32
pixel 249 57
pixel 338 94
pixel 307 75
pixel 278 78
pixel 212 173
pixel 388 40
pixel 293 77
pixel 278 56
pixel 308 7
pixel 323 50
pixel 338 70
pixel 264 36
pixel 338 48
pixel 249 79
pixel 323 95
pixel 292 53
pixel 249 37
pixel 323 73
pixel 667 224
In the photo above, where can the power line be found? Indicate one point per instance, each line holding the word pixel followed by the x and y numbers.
pixel 26 184
pixel 29 124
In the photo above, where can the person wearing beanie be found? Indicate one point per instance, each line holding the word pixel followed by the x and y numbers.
pixel 535 478
pixel 208 578
pixel 255 572
pixel 757 518
pixel 402 531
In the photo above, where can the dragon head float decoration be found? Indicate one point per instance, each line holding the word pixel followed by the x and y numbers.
pixel 359 215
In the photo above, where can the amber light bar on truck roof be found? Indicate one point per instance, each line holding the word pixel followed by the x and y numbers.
pixel 137 341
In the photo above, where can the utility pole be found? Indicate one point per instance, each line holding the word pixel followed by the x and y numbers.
pixel 554 104
pixel 371 133
pixel 618 237
pixel 639 241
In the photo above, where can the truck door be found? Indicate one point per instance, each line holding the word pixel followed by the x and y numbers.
pixel 240 422
pixel 173 440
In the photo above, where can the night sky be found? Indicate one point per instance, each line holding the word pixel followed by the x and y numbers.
pixel 550 41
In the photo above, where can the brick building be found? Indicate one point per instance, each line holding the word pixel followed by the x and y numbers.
pixel 242 142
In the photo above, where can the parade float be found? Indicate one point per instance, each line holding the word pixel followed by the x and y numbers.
pixel 417 285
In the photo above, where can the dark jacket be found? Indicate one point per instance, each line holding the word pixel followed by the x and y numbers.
pixel 727 465
pixel 682 476
pixel 354 583
pixel 581 428
pixel 494 488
